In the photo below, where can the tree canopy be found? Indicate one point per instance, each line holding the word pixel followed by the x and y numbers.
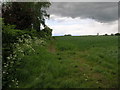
pixel 25 14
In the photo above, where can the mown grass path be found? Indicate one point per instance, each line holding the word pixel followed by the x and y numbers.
pixel 51 47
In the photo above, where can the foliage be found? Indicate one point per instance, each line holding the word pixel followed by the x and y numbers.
pixel 24 46
pixel 46 33
pixel 117 34
pixel 19 38
pixel 10 33
pixel 9 36
pixel 12 39
pixel 24 14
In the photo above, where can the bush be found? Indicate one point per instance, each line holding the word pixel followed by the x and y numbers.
pixel 46 33
pixel 16 44
pixel 24 46
pixel 10 34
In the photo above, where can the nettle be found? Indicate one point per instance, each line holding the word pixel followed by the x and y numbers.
pixel 25 46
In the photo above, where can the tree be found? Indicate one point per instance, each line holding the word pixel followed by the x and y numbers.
pixel 106 34
pixel 117 34
pixel 67 35
pixel 24 14
pixel 112 34
pixel 16 14
pixel 40 14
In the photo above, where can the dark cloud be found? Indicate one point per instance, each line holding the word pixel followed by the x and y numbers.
pixel 100 11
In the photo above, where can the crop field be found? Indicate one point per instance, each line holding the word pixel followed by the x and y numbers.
pixel 71 62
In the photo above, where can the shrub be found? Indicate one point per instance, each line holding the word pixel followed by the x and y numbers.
pixel 16 44
pixel 10 34
pixel 25 45
pixel 46 33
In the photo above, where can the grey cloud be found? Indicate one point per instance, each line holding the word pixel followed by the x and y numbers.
pixel 100 11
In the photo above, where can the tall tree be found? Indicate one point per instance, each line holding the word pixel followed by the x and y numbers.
pixel 24 14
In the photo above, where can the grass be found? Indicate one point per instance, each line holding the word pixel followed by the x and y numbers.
pixel 72 62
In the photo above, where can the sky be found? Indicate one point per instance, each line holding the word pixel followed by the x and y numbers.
pixel 83 18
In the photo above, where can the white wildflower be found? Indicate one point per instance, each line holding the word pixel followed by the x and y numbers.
pixel 4 72
pixel 13 58
pixel 14 52
pixel 22 36
pixel 37 78
pixel 20 40
pixel 5 66
pixel 17 45
pixel 19 58
pixel 8 57
pixel 15 55
pixel 13 80
pixel 96 82
pixel 17 81
pixel 12 62
pixel 35 38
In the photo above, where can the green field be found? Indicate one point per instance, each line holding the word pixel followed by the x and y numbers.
pixel 71 62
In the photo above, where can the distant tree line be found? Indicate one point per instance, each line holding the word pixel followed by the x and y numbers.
pixel 116 34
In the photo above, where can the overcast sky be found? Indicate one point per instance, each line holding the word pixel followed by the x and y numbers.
pixel 83 18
